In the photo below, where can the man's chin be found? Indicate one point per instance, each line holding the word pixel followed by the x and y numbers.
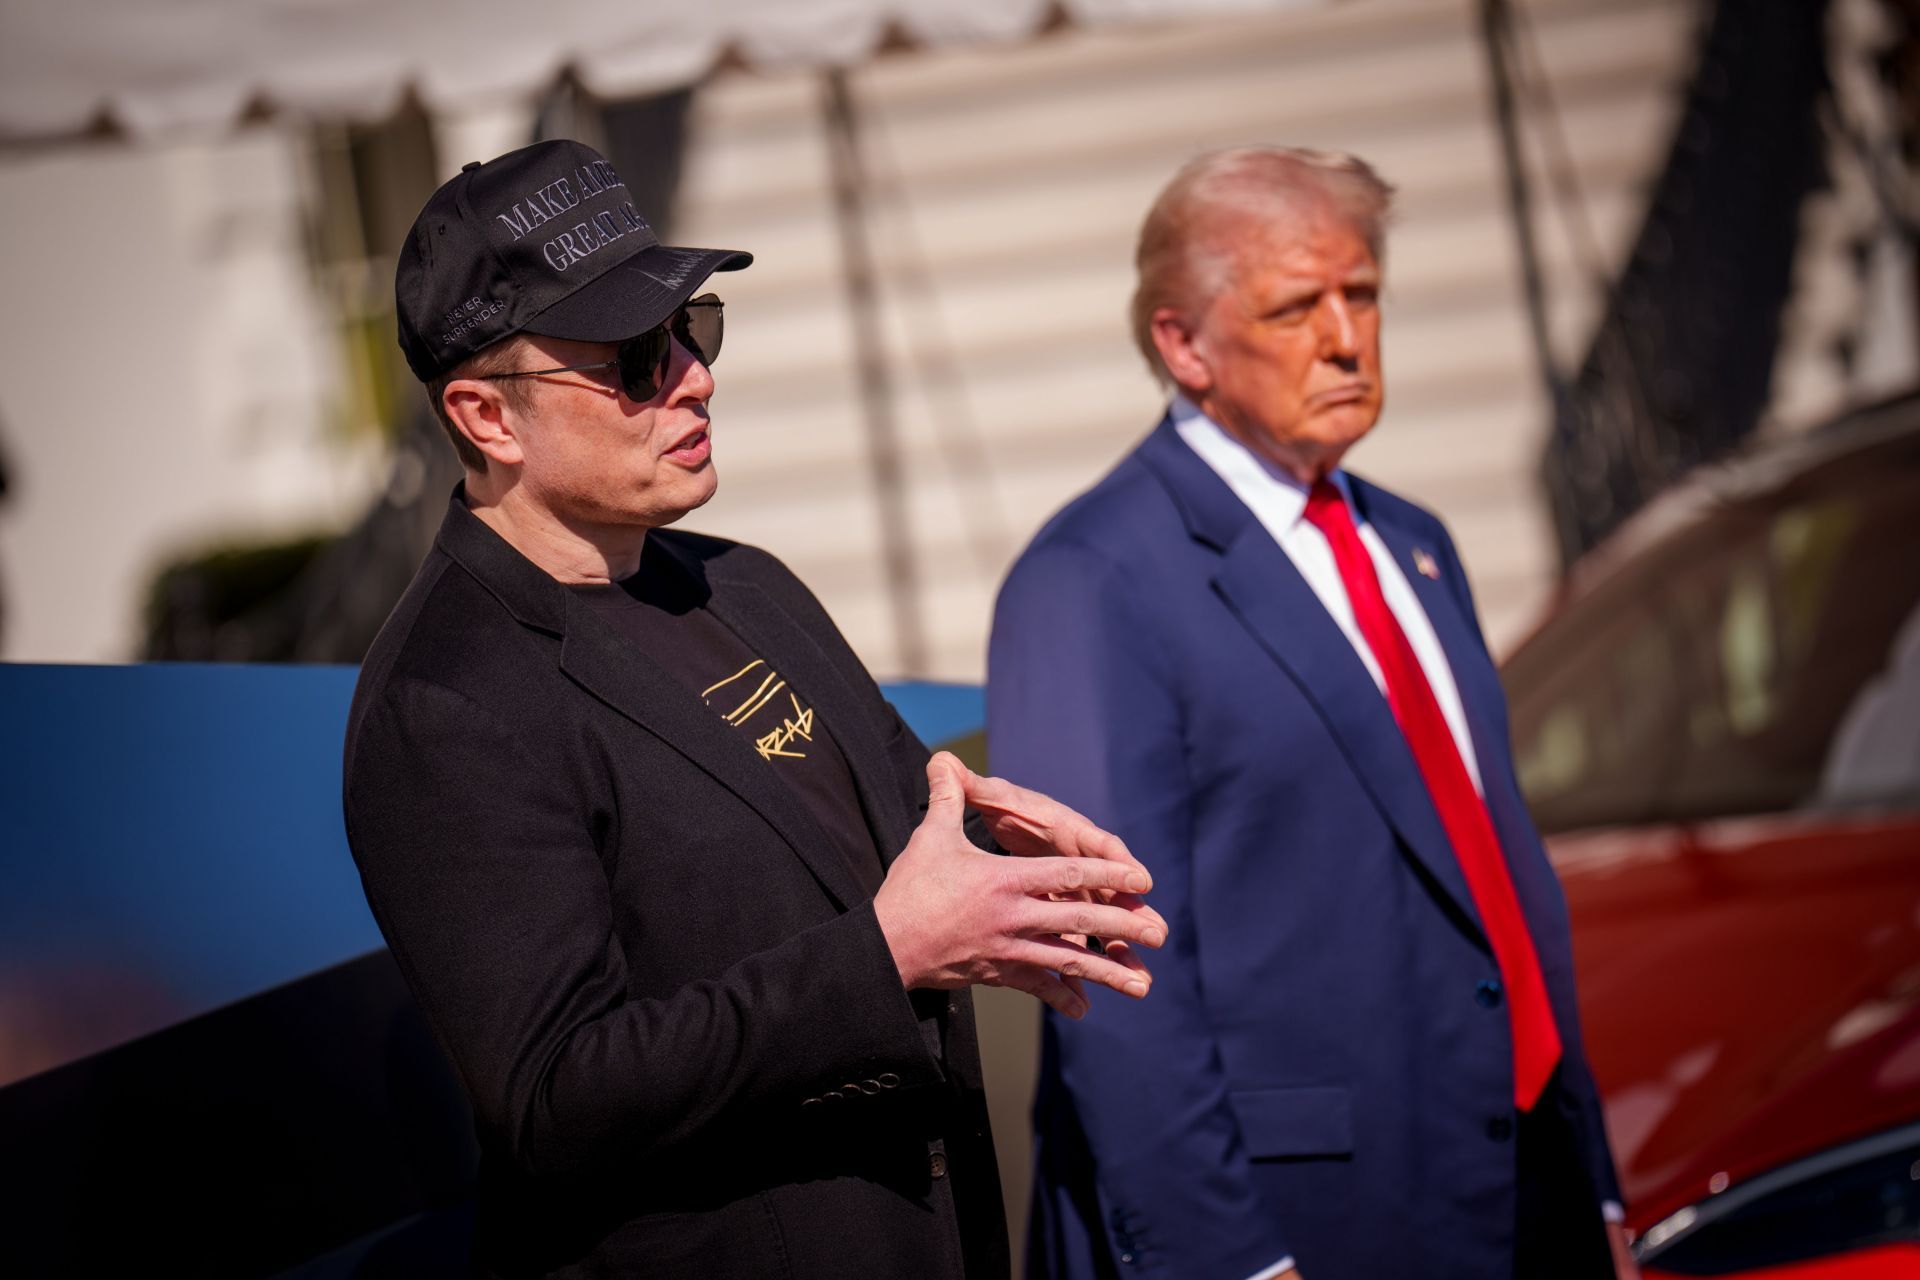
pixel 703 483
pixel 1343 426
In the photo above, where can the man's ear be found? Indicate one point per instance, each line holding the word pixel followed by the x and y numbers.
pixel 1176 342
pixel 479 411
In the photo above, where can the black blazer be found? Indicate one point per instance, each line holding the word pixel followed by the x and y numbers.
pixel 682 1031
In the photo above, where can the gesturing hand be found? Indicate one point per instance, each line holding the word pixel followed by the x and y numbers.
pixel 1032 825
pixel 954 916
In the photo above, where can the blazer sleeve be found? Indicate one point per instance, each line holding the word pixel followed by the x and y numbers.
pixel 478 859
pixel 1081 706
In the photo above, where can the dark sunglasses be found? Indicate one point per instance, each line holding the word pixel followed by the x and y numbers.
pixel 642 359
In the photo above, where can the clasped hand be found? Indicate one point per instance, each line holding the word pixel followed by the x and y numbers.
pixel 954 916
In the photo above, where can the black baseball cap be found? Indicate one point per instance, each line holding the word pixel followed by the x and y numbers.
pixel 541 240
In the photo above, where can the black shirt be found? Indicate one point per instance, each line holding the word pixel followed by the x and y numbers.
pixel 662 611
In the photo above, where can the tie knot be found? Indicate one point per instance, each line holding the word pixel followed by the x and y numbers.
pixel 1325 506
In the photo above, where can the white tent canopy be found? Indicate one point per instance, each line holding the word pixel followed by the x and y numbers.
pixel 160 66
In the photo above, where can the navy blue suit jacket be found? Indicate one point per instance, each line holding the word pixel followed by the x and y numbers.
pixel 1317 1071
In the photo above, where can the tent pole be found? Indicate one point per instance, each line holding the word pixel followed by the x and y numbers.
pixel 850 193
pixel 1496 23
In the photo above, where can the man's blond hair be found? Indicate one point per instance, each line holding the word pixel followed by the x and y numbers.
pixel 1182 261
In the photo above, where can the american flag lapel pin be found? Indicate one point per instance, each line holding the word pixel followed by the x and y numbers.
pixel 1425 563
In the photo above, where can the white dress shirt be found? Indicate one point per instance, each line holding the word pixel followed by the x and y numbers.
pixel 1279 502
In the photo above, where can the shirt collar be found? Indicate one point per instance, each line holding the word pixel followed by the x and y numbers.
pixel 1246 472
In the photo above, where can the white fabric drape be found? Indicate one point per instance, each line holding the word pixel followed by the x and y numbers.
pixel 160 66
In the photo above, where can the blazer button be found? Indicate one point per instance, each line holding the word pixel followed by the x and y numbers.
pixel 1486 993
pixel 869 1087
pixel 1499 1129
pixel 888 1080
pixel 937 1164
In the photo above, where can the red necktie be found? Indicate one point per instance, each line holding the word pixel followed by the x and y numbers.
pixel 1463 815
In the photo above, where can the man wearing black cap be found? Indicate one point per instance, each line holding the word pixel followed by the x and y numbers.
pixel 687 904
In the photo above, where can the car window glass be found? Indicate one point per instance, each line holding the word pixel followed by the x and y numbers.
pixel 1767 660
pixel 1591 741
pixel 1796 631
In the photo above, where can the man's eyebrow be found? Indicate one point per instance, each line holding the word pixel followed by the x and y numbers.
pixel 1359 275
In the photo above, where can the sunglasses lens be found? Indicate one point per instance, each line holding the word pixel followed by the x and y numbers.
pixel 701 326
pixel 643 358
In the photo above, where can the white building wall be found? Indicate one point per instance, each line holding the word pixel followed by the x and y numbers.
pixel 1013 182
pixel 168 374
pixel 166 378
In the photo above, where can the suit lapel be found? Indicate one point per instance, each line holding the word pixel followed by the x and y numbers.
pixel 1266 592
pixel 1473 672
pixel 612 669
pixel 768 629
pixel 1264 589
pixel 608 666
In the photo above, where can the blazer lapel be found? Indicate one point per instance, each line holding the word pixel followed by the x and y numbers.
pixel 1261 584
pixel 756 618
pixel 1263 588
pixel 1474 674
pixel 610 667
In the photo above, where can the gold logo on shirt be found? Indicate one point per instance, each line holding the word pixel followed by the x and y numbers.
pixel 779 740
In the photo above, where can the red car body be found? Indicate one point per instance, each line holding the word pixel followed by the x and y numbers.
pixel 1719 728
pixel 1751 996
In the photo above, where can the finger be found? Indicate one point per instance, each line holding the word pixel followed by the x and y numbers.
pixel 1077 895
pixel 1122 954
pixel 1019 816
pixel 965 772
pixel 1114 898
pixel 1083 839
pixel 1074 835
pixel 1135 903
pixel 1070 961
pixel 1070 875
pixel 946 789
pixel 987 792
pixel 1044 986
pixel 1037 815
pixel 1091 918
pixel 1121 898
pixel 1076 986
pixel 1032 825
